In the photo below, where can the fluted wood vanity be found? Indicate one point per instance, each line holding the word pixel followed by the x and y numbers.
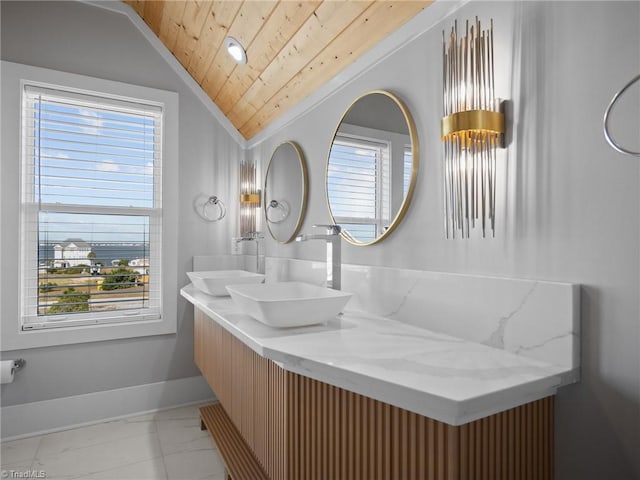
pixel 296 427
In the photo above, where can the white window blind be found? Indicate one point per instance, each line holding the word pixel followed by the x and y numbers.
pixel 91 211
pixel 358 186
pixel 407 169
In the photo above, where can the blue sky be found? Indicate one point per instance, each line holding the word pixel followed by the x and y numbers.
pixel 93 157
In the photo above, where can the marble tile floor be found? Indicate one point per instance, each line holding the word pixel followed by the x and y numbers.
pixel 166 445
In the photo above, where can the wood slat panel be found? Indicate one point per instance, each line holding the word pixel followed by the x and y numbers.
pixel 170 24
pixel 356 39
pixel 329 19
pixel 299 428
pixel 214 31
pixel 153 12
pixel 137 5
pixel 407 445
pixel 195 14
pixel 248 22
pixel 236 454
pixel 285 21
pixel 292 46
pixel 250 388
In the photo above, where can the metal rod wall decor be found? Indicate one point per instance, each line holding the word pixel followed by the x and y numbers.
pixel 249 198
pixel 472 128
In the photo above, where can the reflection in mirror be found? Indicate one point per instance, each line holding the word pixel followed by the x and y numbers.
pixel 372 168
pixel 285 192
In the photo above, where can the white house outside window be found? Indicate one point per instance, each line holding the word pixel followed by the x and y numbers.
pixel 92 208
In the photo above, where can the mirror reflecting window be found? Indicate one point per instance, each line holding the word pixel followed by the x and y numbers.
pixel 285 192
pixel 372 167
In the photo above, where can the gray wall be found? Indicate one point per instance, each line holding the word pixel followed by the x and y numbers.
pixel 83 39
pixel 568 208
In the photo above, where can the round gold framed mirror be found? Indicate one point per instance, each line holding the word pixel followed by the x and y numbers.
pixel 285 192
pixel 372 167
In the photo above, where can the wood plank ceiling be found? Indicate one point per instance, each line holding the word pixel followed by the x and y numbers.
pixel 293 47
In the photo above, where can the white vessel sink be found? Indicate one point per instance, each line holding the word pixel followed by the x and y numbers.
pixel 214 282
pixel 289 304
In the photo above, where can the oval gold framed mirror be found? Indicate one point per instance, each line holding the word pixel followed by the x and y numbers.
pixel 372 167
pixel 285 192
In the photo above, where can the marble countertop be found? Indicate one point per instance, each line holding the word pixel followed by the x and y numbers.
pixel 440 376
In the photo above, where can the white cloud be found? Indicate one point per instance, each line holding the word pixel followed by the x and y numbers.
pixel 147 169
pixel 92 121
pixel 107 166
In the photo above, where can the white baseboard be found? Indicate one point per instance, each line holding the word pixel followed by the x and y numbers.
pixel 28 419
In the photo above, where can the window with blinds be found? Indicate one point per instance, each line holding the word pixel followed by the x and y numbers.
pixel 358 186
pixel 407 168
pixel 91 211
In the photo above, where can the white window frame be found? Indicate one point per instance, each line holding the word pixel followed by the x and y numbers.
pixel 31 209
pixel 14 77
pixel 382 199
pixel 406 175
pixel 397 143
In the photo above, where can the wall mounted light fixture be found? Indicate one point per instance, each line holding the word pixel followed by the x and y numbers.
pixel 249 198
pixel 472 129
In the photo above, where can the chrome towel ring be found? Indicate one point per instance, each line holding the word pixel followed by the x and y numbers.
pixel 213 201
pixel 277 211
pixel 607 135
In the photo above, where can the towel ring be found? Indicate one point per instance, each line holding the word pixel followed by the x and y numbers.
pixel 275 205
pixel 607 135
pixel 211 202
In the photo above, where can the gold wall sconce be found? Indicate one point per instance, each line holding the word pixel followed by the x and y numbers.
pixel 250 199
pixel 472 128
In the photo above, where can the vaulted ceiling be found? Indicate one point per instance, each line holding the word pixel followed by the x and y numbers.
pixel 293 47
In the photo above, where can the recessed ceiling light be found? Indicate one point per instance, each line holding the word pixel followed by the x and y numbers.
pixel 236 50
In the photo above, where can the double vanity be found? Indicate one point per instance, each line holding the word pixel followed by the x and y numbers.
pixel 409 374
pixel 364 395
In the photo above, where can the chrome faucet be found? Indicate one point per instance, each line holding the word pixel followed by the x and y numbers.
pixel 254 237
pixel 332 239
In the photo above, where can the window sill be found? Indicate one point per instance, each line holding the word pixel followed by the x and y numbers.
pixel 47 337
pixel 13 338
